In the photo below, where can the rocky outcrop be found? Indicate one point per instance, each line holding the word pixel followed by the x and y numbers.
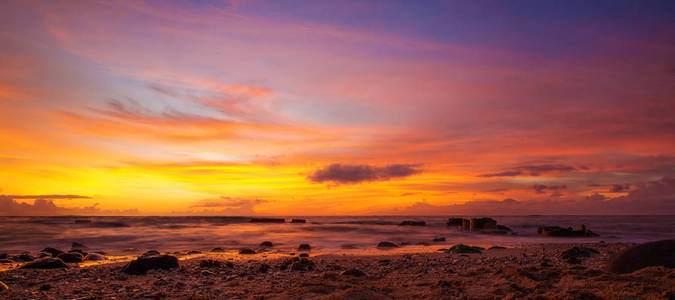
pixel 143 264
pixel 660 253
pixel 73 257
pixel 54 252
pixel 413 223
pixel 45 263
pixel 456 222
pixel 557 231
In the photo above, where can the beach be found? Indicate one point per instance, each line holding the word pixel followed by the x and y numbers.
pixel 535 271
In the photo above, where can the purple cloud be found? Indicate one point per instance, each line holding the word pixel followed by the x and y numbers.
pixel 351 174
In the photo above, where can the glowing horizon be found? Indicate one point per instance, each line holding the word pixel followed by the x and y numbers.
pixel 247 107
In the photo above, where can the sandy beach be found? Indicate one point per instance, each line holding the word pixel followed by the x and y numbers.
pixel 539 271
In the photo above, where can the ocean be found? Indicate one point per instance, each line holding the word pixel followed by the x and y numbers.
pixel 324 234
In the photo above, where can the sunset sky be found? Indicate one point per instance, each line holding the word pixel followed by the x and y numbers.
pixel 337 107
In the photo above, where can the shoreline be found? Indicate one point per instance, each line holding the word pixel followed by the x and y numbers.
pixel 528 271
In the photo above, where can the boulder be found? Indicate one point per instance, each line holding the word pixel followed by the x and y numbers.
pixel 387 245
pixel 461 248
pixel 246 251
pixel 143 264
pixel 267 220
pixel 24 257
pixel 266 244
pixel 482 224
pixel 557 231
pixel 660 253
pixel 151 253
pixel 302 264
pixel 73 257
pixel 353 272
pixel 300 221
pixel 413 223
pixel 45 263
pixel 457 222
pixel 94 257
pixel 217 249
pixel 305 247
pixel 78 251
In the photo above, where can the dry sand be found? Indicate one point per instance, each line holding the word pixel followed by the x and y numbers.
pixel 528 272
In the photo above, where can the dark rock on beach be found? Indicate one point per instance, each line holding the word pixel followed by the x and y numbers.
pixel 143 264
pixel 266 244
pixel 461 248
pixel 73 257
pixel 267 220
pixel 94 257
pixel 556 231
pixel 246 251
pixel 387 245
pixel 45 263
pixel 413 223
pixel 353 272
pixel 660 253
pixel 217 249
pixel 300 221
pixel 193 252
pixel 496 248
pixel 150 253
pixel 304 247
pixel 24 257
pixel 303 264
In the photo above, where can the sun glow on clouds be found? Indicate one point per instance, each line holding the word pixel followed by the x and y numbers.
pixel 161 106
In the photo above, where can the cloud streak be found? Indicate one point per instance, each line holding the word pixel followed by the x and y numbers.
pixel 352 174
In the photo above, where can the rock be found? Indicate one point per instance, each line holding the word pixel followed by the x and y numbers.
pixel 24 257
pixel 300 221
pixel 556 231
pixel 3 256
pixel 303 264
pixel 246 251
pixel 42 255
pixel 413 223
pixel 353 272
pixel 78 251
pixel 304 247
pixel 151 253
pixel 267 220
pixel 387 245
pixel 45 263
pixel 482 224
pixel 461 248
pixel 143 264
pixel 73 257
pixel 574 254
pixel 303 255
pixel 439 239
pixel 76 245
pixel 266 244
pixel 496 248
pixel 45 287
pixel 193 252
pixel 455 222
pixel 208 273
pixel 6 261
pixel 94 257
pixel 660 253
pixel 217 249
pixel 3 287
pixel 210 263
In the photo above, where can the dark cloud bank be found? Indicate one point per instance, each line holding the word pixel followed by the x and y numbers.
pixel 654 197
pixel 351 174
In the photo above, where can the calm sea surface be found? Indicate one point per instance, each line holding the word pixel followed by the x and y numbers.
pixel 119 234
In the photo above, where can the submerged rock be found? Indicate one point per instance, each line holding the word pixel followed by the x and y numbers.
pixel 557 231
pixel 299 221
pixel 482 224
pixel 143 264
pixel 387 245
pixel 660 253
pixel 45 263
pixel 455 222
pixel 413 223
pixel 304 247
pixel 246 251
pixel 266 244
pixel 353 272
pixel 73 257
pixel 461 248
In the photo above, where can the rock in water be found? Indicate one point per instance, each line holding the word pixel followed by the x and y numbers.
pixel 267 220
pixel 143 264
pixel 461 248
pixel 246 251
pixel 660 253
pixel 217 249
pixel 3 287
pixel 439 239
pixel 3 255
pixel 353 272
pixel 299 221
pixel 304 247
pixel 482 224
pixel 266 244
pixel 455 222
pixel 95 257
pixel 71 257
pixel 413 223
pixel 45 263
pixel 23 258
pixel 557 231
pixel 387 245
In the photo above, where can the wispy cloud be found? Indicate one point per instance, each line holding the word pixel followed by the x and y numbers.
pixel 350 174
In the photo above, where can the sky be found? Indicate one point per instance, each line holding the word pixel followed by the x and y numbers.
pixel 337 107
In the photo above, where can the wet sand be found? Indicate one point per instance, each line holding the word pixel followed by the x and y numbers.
pixel 528 272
